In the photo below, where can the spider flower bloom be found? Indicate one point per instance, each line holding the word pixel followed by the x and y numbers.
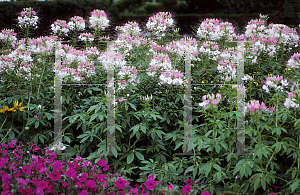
pixel 28 18
pixel 60 27
pixel 211 98
pixel 86 37
pixel 212 29
pixel 98 20
pixel 8 34
pixel 254 106
pixel 160 22
pixel 76 22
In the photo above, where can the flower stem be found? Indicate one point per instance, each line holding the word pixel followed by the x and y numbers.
pixel 3 122
pixel 9 129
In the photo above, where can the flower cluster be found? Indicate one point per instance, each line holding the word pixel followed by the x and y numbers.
pixel 211 49
pixel 86 37
pixel 269 39
pixel 8 34
pixel 130 29
pixel 212 29
pixel 211 98
pixel 159 23
pixel 146 98
pixel 160 61
pixel 98 20
pixel 128 38
pixel 228 70
pixel 60 27
pixel 290 100
pixel 273 82
pixel 76 23
pixel 294 61
pixel 128 74
pixel 115 61
pixel 58 146
pixel 27 18
pixel 70 56
pixel 171 77
pixel 247 77
pixel 283 34
pixel 183 46
pixel 255 106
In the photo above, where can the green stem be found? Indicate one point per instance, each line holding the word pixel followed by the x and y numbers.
pixel 3 122
pixel 20 134
pixel 9 129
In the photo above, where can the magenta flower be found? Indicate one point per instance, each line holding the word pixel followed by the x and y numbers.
pixel 206 193
pixel 186 189
pixel 84 192
pixel 83 177
pixel 101 163
pixel 26 170
pixel 91 184
pixel 189 181
pixel 120 183
pixel 71 173
pixel 43 184
pixel 55 176
pixel 6 177
pixel 150 184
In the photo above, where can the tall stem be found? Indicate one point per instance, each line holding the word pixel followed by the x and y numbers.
pixel 9 129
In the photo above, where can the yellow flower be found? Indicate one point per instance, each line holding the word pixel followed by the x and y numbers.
pixel 133 91
pixel 159 92
pixel 255 83
pixel 7 109
pixel 17 106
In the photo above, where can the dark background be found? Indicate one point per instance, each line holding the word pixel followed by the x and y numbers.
pixel 187 13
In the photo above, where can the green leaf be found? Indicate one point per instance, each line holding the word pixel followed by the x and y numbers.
pixel 284 117
pixel 30 121
pixel 37 123
pixel 208 166
pixel 132 106
pixel 216 166
pixel 66 138
pixel 217 177
pixel 11 135
pixel 92 108
pixel 295 186
pixel 263 182
pixel 83 135
pixel 130 158
pixel 83 140
pixel 41 137
pixel 94 116
pixel 135 128
pixel 139 155
pixel 189 169
pixel 144 128
pixel 195 172
pixel 172 168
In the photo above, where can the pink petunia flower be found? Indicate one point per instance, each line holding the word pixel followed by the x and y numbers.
pixel 186 189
